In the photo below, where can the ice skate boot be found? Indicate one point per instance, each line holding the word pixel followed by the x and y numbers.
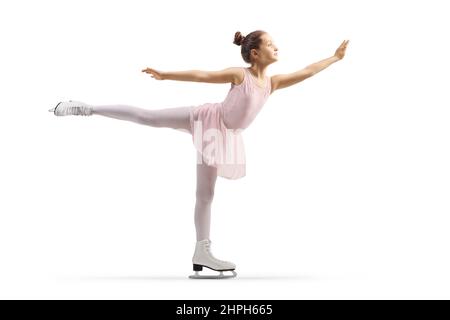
pixel 76 108
pixel 204 258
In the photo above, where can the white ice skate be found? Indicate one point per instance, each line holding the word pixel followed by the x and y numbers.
pixel 204 258
pixel 68 108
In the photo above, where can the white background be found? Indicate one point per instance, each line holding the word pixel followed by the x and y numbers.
pixel 347 187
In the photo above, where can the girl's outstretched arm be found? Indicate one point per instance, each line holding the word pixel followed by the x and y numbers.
pixel 281 81
pixel 190 75
pixel 221 76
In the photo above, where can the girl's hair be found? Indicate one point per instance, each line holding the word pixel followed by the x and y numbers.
pixel 249 42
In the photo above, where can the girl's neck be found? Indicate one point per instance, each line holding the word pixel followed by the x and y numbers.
pixel 258 72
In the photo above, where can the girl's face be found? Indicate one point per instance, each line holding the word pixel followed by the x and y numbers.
pixel 268 51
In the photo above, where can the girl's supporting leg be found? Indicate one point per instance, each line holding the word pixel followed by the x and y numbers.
pixel 175 118
pixel 206 181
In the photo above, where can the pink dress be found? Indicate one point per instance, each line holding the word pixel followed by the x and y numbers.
pixel 216 127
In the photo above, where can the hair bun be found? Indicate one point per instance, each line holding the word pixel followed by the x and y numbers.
pixel 238 38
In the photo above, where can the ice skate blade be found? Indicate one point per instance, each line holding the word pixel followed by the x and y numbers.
pixel 219 276
pixel 53 109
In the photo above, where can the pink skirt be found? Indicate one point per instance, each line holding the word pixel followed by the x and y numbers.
pixel 217 145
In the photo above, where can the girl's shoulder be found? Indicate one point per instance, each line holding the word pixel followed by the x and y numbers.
pixel 239 75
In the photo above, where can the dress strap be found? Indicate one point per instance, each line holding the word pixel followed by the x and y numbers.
pixel 246 74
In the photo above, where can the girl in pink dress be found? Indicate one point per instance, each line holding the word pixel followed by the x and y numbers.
pixel 215 127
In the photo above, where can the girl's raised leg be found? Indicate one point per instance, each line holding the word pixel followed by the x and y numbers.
pixel 175 118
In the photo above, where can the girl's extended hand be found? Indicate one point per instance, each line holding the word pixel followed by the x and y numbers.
pixel 158 75
pixel 340 52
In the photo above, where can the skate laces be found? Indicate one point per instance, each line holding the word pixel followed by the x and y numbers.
pixel 75 108
pixel 80 110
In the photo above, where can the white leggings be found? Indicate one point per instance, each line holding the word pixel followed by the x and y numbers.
pixel 175 118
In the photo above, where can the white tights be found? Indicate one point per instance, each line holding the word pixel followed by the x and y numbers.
pixel 175 118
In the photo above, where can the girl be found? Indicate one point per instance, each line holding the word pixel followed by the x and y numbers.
pixel 218 123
